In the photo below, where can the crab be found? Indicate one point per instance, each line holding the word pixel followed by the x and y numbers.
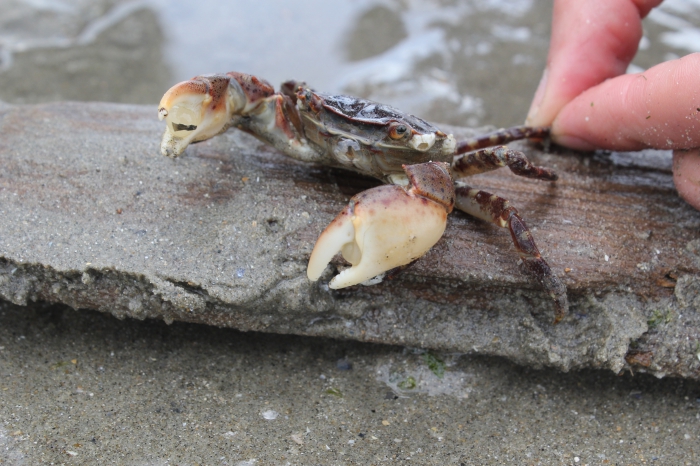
pixel 385 228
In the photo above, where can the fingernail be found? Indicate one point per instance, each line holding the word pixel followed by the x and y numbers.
pixel 537 100
pixel 573 142
pixel 686 175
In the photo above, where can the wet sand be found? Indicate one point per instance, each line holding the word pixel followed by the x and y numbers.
pixel 81 387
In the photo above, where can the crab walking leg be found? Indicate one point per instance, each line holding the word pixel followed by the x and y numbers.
pixel 502 136
pixel 485 160
pixel 498 211
pixel 386 227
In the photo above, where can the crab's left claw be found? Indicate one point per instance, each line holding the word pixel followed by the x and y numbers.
pixel 194 110
pixel 385 227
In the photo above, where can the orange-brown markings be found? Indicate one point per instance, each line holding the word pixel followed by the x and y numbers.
pixel 315 103
pixel 339 220
pixel 281 120
pixel 197 86
pixel 292 113
pixel 253 87
pixel 217 91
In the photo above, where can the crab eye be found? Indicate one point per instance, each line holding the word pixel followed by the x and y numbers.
pixel 398 131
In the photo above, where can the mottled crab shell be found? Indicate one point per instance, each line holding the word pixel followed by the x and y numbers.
pixel 373 129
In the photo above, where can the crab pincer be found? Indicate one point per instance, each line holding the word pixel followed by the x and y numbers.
pixel 387 226
pixel 204 106
pixel 194 110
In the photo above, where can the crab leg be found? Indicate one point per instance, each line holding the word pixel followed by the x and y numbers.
pixel 493 158
pixel 498 211
pixel 502 136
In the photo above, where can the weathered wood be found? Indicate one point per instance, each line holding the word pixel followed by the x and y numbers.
pixel 92 216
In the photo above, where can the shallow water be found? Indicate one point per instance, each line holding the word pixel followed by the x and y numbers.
pixel 468 62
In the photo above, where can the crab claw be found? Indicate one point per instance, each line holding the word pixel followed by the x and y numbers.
pixel 194 110
pixel 381 228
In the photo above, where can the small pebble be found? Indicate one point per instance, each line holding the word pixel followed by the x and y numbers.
pixel 343 365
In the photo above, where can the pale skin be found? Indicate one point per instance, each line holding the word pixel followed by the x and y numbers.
pixel 590 103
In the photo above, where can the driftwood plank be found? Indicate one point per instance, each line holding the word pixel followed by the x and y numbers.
pixel 92 216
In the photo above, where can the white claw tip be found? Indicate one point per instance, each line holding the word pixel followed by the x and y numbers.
pixel 162 113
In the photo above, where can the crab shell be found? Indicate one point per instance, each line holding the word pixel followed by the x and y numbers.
pixel 367 136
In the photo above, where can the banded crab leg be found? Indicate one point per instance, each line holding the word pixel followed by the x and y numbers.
pixel 493 158
pixel 498 211
pixel 502 136
pixel 387 227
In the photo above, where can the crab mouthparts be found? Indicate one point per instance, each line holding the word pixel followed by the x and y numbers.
pixel 422 142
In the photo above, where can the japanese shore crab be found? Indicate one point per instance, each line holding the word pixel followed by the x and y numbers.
pixel 386 227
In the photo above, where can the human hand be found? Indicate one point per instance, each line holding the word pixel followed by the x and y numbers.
pixel 590 103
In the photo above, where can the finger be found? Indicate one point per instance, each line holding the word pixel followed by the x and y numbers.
pixel 659 108
pixel 686 175
pixel 591 42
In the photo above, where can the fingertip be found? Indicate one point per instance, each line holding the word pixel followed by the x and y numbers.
pixel 653 109
pixel 686 175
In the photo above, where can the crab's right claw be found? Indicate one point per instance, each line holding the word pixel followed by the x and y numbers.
pixel 194 110
pixel 381 228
